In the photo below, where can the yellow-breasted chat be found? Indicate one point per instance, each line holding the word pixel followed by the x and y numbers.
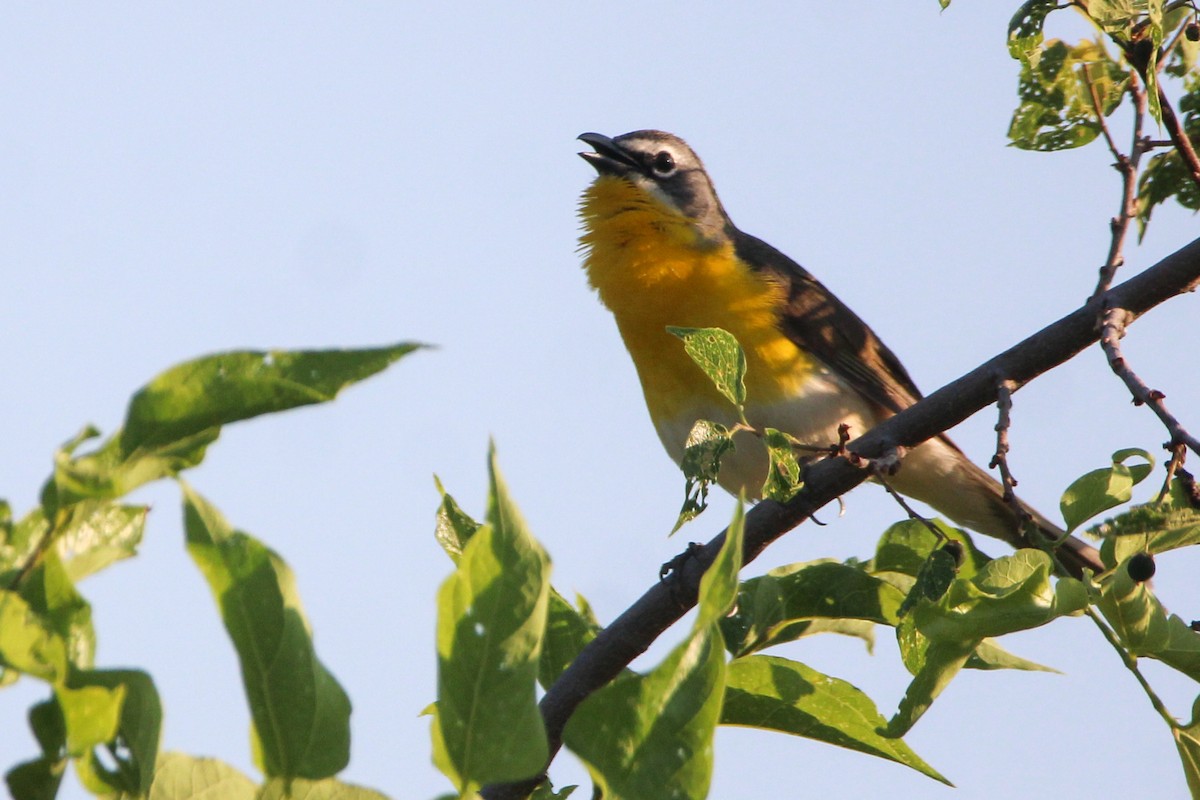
pixel 661 251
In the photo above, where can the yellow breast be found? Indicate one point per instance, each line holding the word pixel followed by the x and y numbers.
pixel 652 269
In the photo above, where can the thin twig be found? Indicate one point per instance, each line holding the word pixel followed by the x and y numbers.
pixel 1178 456
pixel 1108 137
pixel 1112 330
pixel 1131 664
pixel 1004 393
pixel 880 473
pixel 1127 166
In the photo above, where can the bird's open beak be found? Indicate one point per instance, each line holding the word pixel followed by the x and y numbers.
pixel 609 158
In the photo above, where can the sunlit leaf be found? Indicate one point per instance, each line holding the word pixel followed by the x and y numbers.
pixel 706 445
pixel 1187 741
pixel 1064 93
pixel 184 777
pixel 1102 489
pixel 650 735
pixel 567 632
pixel 1009 594
pixel 212 391
pixel 718 353
pixel 28 643
pixel 113 532
pixel 783 468
pixel 1025 30
pixel 1150 528
pixel 491 618
pixel 133 747
pixel 790 697
pixel 905 547
pixel 301 714
pixel 719 586
pixel 39 778
pixel 454 526
pixel 327 789
pixel 779 606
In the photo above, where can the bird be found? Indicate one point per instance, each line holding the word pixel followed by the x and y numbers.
pixel 660 251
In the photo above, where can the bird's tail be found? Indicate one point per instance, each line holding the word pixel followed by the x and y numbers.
pixel 938 473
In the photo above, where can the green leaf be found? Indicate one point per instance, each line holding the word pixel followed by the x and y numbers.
pixel 441 755
pixel 91 715
pixel 1118 16
pixel 455 527
pixel 545 791
pixel 783 472
pixel 1143 625
pixel 1183 58
pixel 184 777
pixel 780 606
pixel 905 547
pixel 39 778
pixel 1187 741
pixel 1102 489
pixel 28 643
pixel 989 655
pixel 1009 594
pixel 650 735
pixel 1165 176
pixel 133 747
pixel 110 534
pixel 107 473
pixel 706 445
pixel 718 353
pixel 1150 528
pixel 1025 30
pixel 932 581
pixel 300 713
pixel 200 395
pixel 328 789
pixel 786 696
pixel 719 585
pixel 48 726
pixel 567 632
pixel 942 660
pixel 1057 109
pixel 52 595
pixel 171 421
pixel 491 617
pixel 19 543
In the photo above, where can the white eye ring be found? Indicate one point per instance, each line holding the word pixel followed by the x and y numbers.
pixel 663 164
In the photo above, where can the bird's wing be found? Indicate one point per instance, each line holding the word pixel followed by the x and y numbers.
pixel 817 322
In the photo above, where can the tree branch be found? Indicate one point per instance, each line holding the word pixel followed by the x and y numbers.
pixel 617 645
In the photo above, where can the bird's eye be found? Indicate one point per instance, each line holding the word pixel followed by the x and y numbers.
pixel 663 164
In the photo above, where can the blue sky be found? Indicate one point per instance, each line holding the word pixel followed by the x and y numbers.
pixel 183 180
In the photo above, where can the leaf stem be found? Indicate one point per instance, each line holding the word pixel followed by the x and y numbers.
pixel 1131 664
